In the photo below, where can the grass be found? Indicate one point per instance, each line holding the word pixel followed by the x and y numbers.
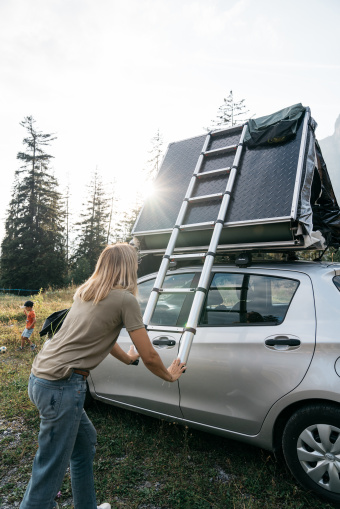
pixel 141 463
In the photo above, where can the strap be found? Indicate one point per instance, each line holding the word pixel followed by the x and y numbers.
pixel 190 329
pixel 81 372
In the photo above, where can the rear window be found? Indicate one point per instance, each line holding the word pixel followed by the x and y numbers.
pixel 336 281
pixel 246 299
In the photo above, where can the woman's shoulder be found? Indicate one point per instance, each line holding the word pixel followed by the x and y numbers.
pixel 121 294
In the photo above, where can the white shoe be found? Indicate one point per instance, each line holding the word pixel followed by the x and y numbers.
pixel 104 506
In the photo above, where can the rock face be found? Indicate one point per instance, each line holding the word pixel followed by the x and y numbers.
pixel 330 148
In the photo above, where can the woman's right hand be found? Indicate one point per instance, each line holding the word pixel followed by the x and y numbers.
pixel 176 369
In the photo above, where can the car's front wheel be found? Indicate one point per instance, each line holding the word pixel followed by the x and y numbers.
pixel 311 446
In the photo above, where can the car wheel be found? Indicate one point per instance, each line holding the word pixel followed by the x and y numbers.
pixel 311 447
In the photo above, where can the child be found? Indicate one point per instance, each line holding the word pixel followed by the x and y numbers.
pixel 30 321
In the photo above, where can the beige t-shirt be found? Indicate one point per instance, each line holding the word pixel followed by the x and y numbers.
pixel 88 334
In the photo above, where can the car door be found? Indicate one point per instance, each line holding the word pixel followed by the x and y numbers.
pixel 136 385
pixel 254 344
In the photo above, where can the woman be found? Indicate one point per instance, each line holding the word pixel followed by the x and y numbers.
pixel 102 306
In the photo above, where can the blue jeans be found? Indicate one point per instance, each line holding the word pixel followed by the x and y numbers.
pixel 66 436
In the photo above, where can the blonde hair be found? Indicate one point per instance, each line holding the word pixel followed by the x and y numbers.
pixel 116 269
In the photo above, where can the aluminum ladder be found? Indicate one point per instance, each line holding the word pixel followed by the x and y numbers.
pixel 202 288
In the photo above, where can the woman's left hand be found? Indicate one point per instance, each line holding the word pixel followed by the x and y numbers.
pixel 132 353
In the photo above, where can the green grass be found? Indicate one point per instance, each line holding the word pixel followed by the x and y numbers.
pixel 141 463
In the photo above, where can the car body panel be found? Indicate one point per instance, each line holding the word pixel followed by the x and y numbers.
pixel 234 378
pixel 229 367
pixel 136 385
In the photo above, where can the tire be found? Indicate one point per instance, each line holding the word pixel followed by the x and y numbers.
pixel 311 447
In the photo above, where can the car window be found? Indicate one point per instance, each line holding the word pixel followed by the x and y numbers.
pixel 172 308
pixel 336 281
pixel 247 299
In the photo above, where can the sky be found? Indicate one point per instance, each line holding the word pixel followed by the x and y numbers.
pixel 105 75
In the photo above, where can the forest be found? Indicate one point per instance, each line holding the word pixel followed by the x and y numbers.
pixel 45 246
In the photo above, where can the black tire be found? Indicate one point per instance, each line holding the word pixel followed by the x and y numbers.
pixel 311 447
pixel 88 398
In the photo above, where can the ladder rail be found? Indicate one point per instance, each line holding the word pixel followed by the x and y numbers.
pixel 197 305
pixel 202 288
pixel 152 302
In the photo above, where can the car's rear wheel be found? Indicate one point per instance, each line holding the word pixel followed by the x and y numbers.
pixel 311 446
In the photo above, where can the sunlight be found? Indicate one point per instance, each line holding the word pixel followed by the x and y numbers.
pixel 148 190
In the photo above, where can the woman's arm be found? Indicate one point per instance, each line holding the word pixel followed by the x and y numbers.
pixel 151 358
pixel 126 358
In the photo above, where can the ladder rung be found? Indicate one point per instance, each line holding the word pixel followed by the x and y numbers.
pixel 221 150
pixel 227 130
pixel 191 256
pixel 197 226
pixel 213 173
pixel 206 197
pixel 176 290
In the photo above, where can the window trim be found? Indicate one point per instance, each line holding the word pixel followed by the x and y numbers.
pixel 256 324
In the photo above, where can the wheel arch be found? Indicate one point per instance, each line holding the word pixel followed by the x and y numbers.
pixel 286 414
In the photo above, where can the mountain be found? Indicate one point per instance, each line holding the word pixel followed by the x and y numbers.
pixel 330 148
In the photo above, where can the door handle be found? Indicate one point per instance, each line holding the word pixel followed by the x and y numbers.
pixel 282 342
pixel 164 341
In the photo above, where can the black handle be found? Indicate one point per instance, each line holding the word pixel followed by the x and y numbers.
pixel 135 363
pixel 284 342
pixel 164 342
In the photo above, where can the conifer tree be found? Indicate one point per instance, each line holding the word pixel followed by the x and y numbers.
pixel 92 231
pixel 33 252
pixel 230 113
pixel 123 228
pixel 156 155
pixel 112 213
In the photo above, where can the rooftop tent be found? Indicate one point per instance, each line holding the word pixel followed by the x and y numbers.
pixel 281 197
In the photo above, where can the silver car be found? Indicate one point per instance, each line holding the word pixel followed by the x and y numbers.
pixel 264 366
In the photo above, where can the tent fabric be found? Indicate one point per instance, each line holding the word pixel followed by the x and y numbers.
pixel 326 212
pixel 305 212
pixel 278 127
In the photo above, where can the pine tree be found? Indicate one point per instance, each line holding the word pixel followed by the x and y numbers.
pixel 67 221
pixel 112 214
pixel 123 229
pixel 156 156
pixel 33 253
pixel 230 113
pixel 92 231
